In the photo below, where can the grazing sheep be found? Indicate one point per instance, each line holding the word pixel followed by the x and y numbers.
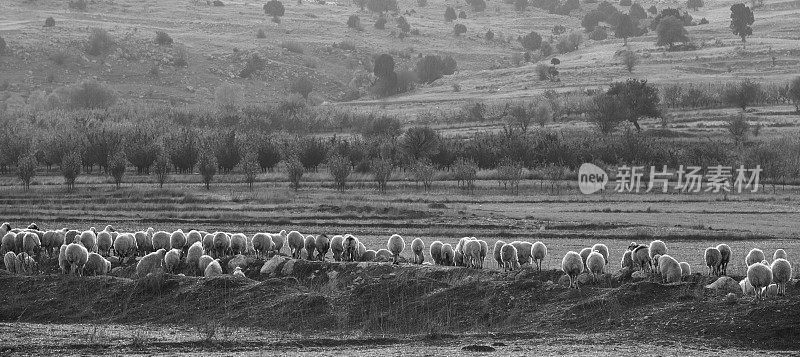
pixel 221 243
pixel 296 242
pixel 436 252
pixel 31 244
pixel 104 243
pixel 602 249
pixel 69 237
pixel 203 263
pixel 350 248
pixel 213 269
pixel 161 240
pixel 337 247
pixel 193 255
pixel 472 254
pixel 484 251
pixel 76 255
pixel 52 240
pixel 524 250
pixel 193 236
pixel 754 256
pixel 5 228
pixel 7 244
pixel 417 251
pixel 596 264
pixel 383 255
pixel 25 264
pixel 238 272
pixel 640 254
pixel 172 259
pixel 448 255
pixel 279 240
pixel 262 244
pixel 747 288
pixel 63 264
pixel 585 255
pixel 458 257
pixel 125 246
pixel 498 257
pixel 89 240
pixel 151 263
pixel 177 240
pixel 208 242
pixel 779 254
pixel 572 265
pixel 361 250
pixel 509 256
pixel 627 260
pixel 760 276
pixel 238 243
pixel 657 249
pixel 713 257
pixel 781 274
pixel 95 264
pixel 396 245
pixel 311 246
pixel 539 252
pixel 323 245
pixel 369 255
pixel 144 243
pixel 686 269
pixel 669 268
pixel 725 258
pixel 9 260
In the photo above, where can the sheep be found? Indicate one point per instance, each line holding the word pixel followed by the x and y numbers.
pixel 417 248
pixel 539 252
pixel 125 246
pixel 383 254
pixel 781 274
pixel 760 276
pixel 498 257
pixel 262 243
pixel 725 258
pixel 602 249
pixel 5 228
pixel 193 236
pixel 640 254
pixel 657 248
pixel 31 244
pixel 9 260
pixel 458 257
pixel 95 264
pixel 686 269
pixel 436 252
pixel 221 244
pixel 596 264
pixel 779 254
pixel 238 272
pixel 472 254
pixel 369 255
pixel 524 253
pixel 161 240
pixel 448 255
pixel 754 256
pixel 208 242
pixel 177 240
pixel 76 255
pixel 144 244
pixel 484 251
pixel 151 263
pixel 89 240
pixel 572 265
pixel 627 260
pixel 296 242
pixel 193 255
pixel 713 257
pixel 337 247
pixel 213 269
pixel 63 264
pixel 104 243
pixel 172 259
pixel 25 264
pixel 669 268
pixel 585 255
pixel 238 243
pixel 69 237
pixel 396 245
pixel 279 240
pixel 747 288
pixel 310 246
pixel 509 256
pixel 323 245
pixel 203 262
pixel 350 248
pixel 52 240
pixel 7 244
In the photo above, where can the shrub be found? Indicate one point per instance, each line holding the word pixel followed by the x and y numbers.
pixel 742 94
pixel 532 41
pixel 380 23
pixel 59 57
pixel 381 6
pixel 294 171
pixel 520 5
pixel 381 172
pixel 462 14
pixel 465 172
pixel 181 57
pixel 545 49
pixel 26 170
pixel 99 42
pixel 703 21
pixel 354 22
pixel 161 168
pixel 116 167
pixel 405 81
pixel 430 68
pixel 608 112
pixel 227 153
pixel 275 9
pixel 629 60
pixel 477 5
pixel 261 33
pixel 49 22
pixel 694 4
pixel 489 35
pixel 569 43
pixel 419 142
pixel 79 5
pixel 652 9
pixel 163 39
pixel 71 168
pixel 598 34
pixel 670 30
pixel 182 149
pixel 267 154
pixel 741 19
pixel 249 168
pixel 403 25
pixel 459 29
pixel 207 166
pixel 293 46
pixel 423 171
pixel 227 97
pixel 141 148
pixel 422 3
pixel 339 167
pixel 637 12
pixel 543 71
pixel 302 86
pixel 642 99
pixel 312 153
pixel 253 65
pixel 90 95
pixel 217 3
pixel 509 173
pixel 738 128
pixel 559 29
pixel 449 14
pixel 591 19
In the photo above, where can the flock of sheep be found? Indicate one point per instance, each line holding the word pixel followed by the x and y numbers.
pixel 89 253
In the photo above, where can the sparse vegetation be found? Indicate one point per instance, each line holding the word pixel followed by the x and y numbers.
pixel 71 168
pixel 671 30
pixel 354 22
pixel 100 42
pixel 450 14
pixel 49 22
pixel 380 23
pixel 79 5
pixel 532 41
pixel 629 60
pixel 163 39
pixel 293 46
pixel 459 29
pixel 275 9
pixel 302 86
pixel 742 94
pixel 431 68
pixel 261 34
pixel 2 45
pixel 382 6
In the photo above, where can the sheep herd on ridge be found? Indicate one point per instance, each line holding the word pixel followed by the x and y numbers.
pixel 90 252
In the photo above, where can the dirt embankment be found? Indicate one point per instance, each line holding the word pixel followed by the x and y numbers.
pixel 379 298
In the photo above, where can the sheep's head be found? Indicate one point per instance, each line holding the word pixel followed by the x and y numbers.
pixel 632 246
pixel 6 226
pixel 33 226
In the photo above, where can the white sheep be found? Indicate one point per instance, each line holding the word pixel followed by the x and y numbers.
pixel 713 257
pixel 238 272
pixel 76 255
pixel 296 242
pixel 279 240
pixel 760 276
pixel 509 256
pixel 781 274
pixel 9 259
pixel 222 244
pixel 602 249
pixel 383 255
pixel 458 252
pixel 585 255
pixel 524 250
pixel 203 263
pixel 350 248
pixel 754 256
pixel 104 243
pixel 640 254
pixel 539 252
pixel 7 244
pixel 144 243
pixel 596 264
pixel 669 268
pixel 95 264
pixel 498 256
pixel 89 240
pixel 779 254
pixel 360 251
pixel 436 252
pixel 686 269
pixel 657 248
pixel 63 264
pixel 725 258
pixel 572 265
pixel 177 240
pixel 369 255
pixel 238 243
pixel 310 245
pixel 25 264
pixel 125 246
pixel 417 251
pixel 5 228
pixel 151 263
pixel 448 254
pixel 472 254
pixel 213 269
pixel 747 288
pixel 262 244
pixel 31 244
pixel 337 247
pixel 396 245
pixel 484 251
pixel 52 240
pixel 161 240
pixel 627 260
pixel 208 243
pixel 193 236
pixel 323 245
pixel 172 259
pixel 193 255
